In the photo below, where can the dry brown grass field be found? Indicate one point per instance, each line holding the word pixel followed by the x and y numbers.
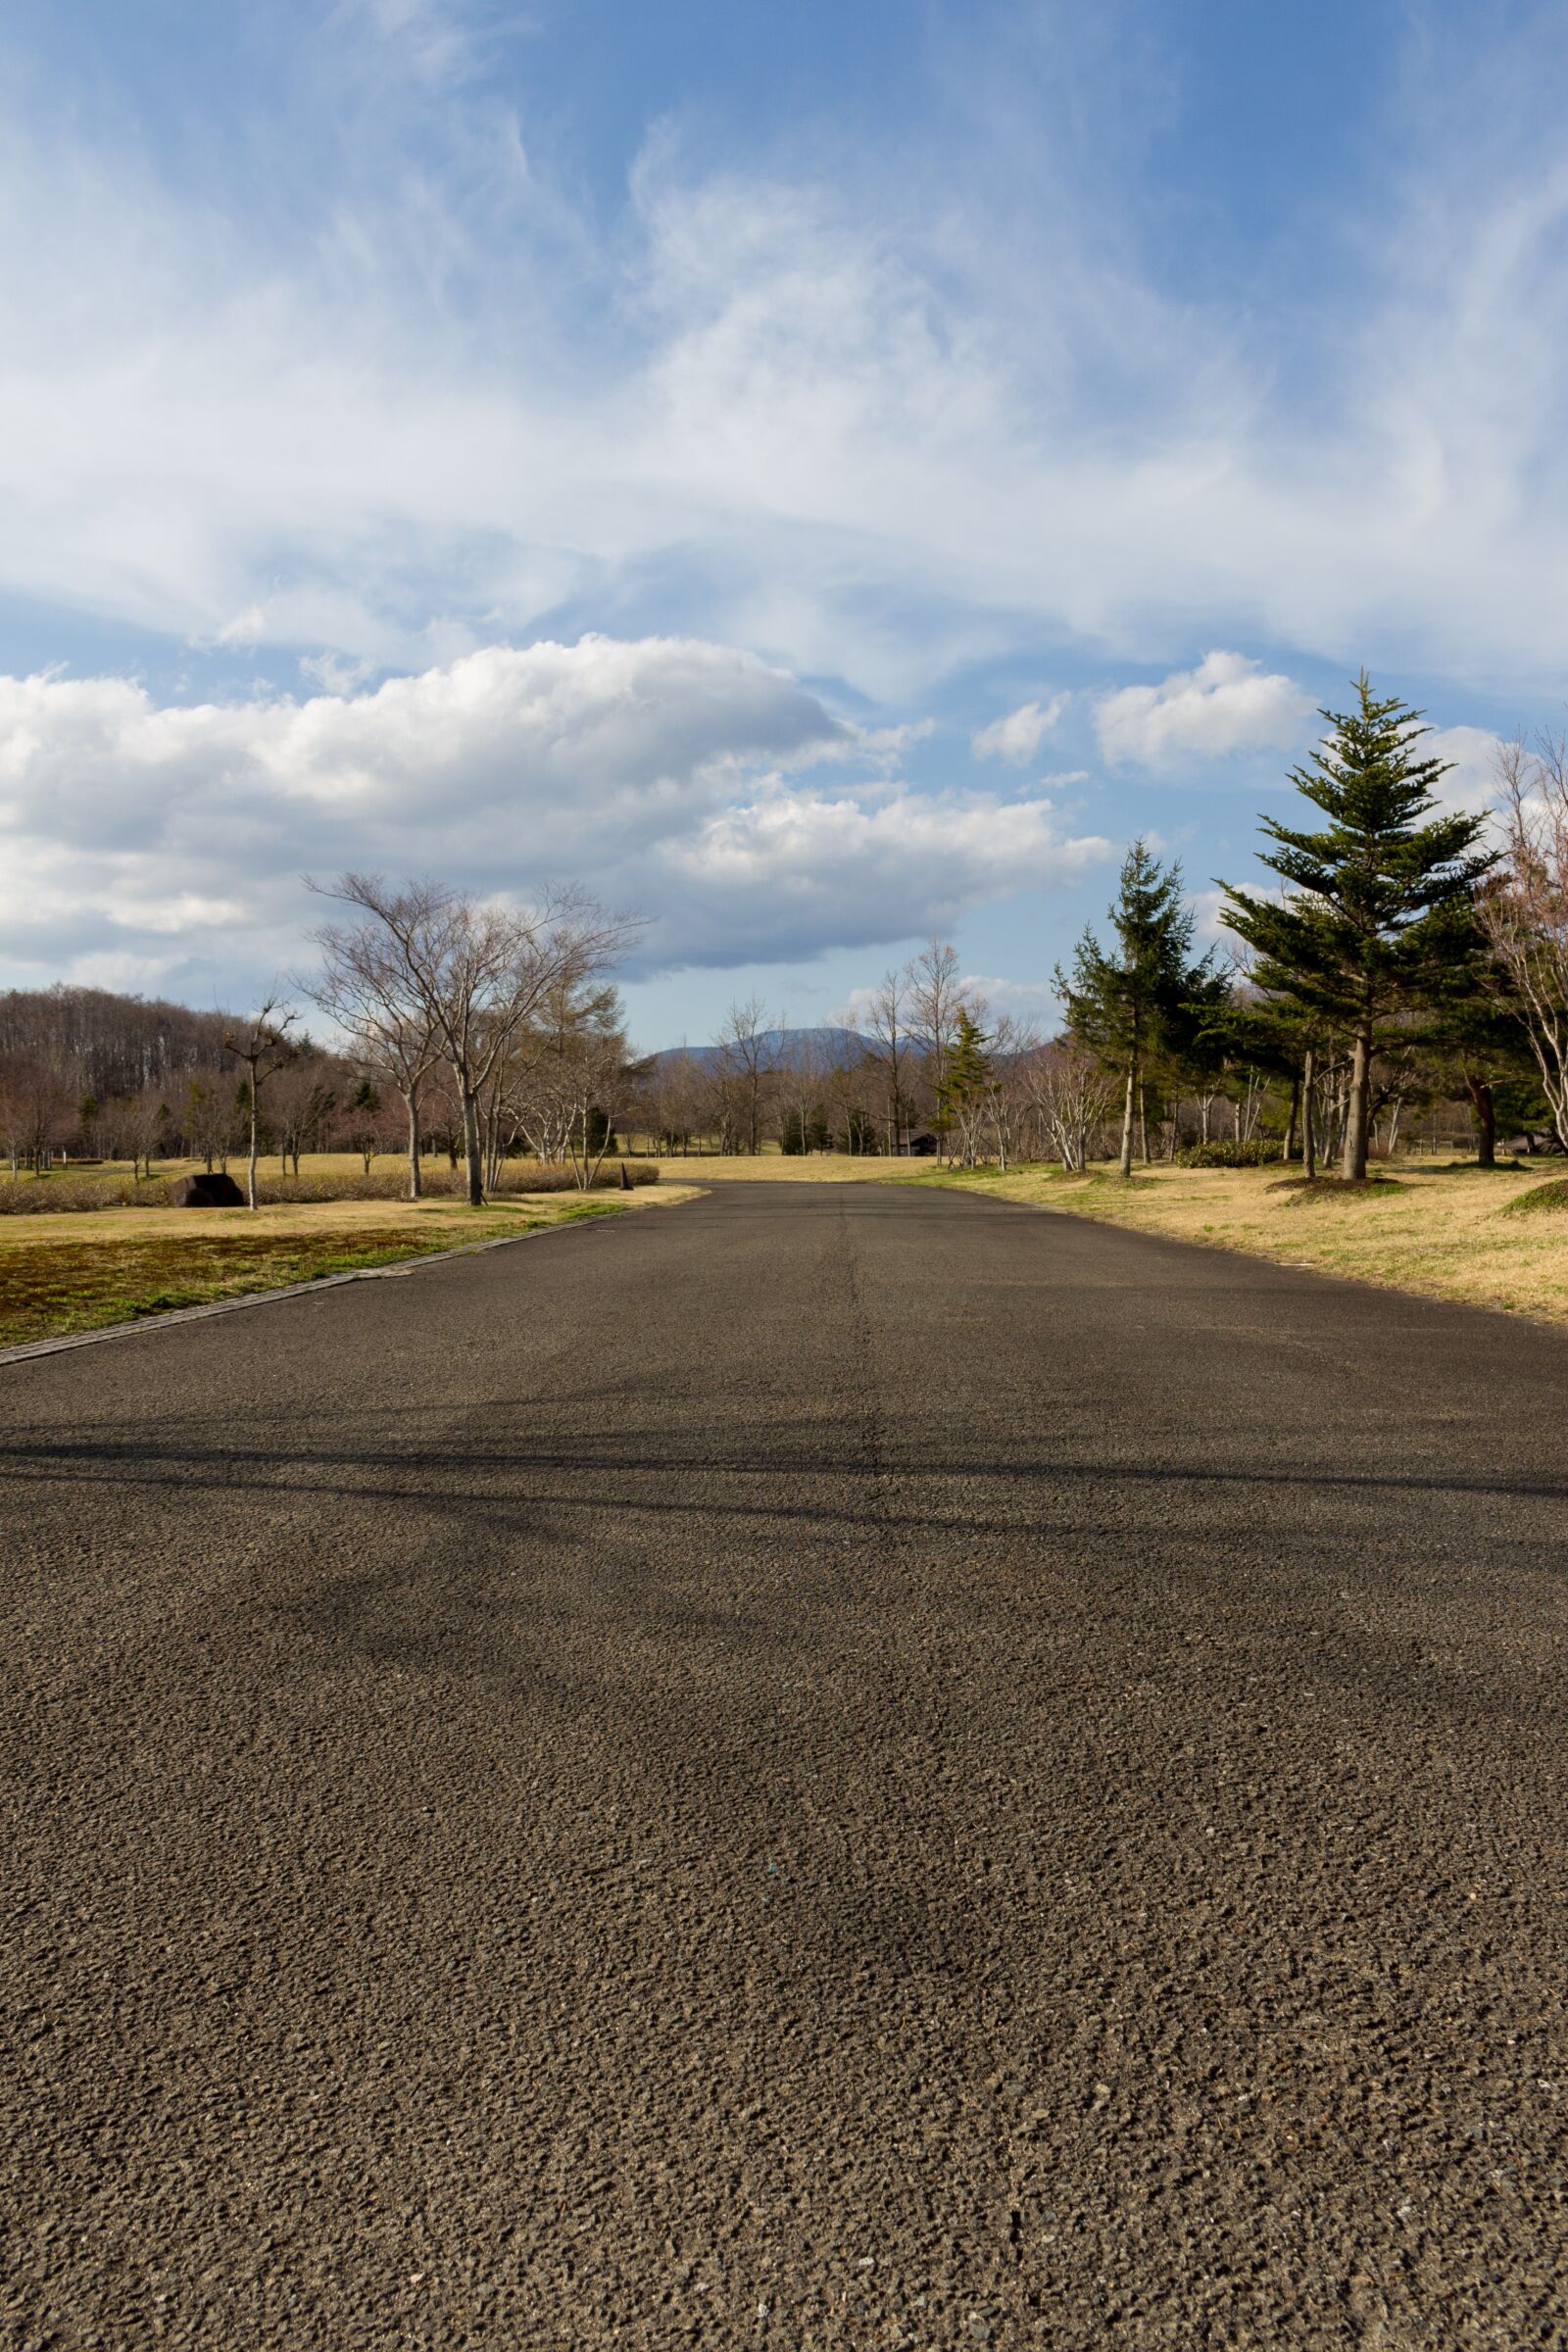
pixel 385 1168
pixel 1443 1232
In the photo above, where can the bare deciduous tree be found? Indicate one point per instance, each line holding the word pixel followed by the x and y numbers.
pixel 146 1124
pixel 932 980
pixel 1524 907
pixel 363 990
pixel 262 1046
pixel 747 1054
pixel 473 972
pixel 35 1110
pixel 300 1100
pixel 893 1049
pixel 1072 1093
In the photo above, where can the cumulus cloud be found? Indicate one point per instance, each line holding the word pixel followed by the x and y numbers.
pixel 671 775
pixel 1471 783
pixel 1227 704
pixel 1018 736
pixel 793 872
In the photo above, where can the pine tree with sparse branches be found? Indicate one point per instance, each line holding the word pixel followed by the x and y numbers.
pixel 1378 902
pixel 1128 1004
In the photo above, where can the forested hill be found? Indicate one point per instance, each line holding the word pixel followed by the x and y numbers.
pixel 828 1047
pixel 106 1045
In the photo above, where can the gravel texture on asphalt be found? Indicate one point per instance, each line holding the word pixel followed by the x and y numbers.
pixel 840 1766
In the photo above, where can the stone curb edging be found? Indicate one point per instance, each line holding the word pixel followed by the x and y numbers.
pixel 291 1289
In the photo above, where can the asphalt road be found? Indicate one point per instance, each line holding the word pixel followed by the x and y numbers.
pixel 832 1767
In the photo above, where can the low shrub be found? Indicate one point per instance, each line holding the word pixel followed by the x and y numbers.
pixel 442 1183
pixel 36 1196
pixel 1228 1153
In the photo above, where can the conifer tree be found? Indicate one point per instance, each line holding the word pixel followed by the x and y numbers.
pixel 1128 1005
pixel 968 1076
pixel 1378 900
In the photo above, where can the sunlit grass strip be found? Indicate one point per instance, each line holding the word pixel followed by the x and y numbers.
pixel 1487 1237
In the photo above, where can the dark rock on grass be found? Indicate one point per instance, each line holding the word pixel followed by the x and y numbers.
pixel 215 1191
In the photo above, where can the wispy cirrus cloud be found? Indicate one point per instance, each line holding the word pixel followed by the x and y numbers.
pixel 444 400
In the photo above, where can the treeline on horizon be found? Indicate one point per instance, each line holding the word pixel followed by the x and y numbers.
pixel 1406 961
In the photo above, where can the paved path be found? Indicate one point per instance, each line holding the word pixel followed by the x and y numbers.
pixel 834 1767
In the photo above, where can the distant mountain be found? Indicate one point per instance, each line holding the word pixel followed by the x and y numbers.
pixel 784 1048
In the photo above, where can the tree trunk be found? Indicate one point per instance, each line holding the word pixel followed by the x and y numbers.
pixel 1308 1126
pixel 1486 1111
pixel 472 1150
pixel 1126 1167
pixel 412 1106
pixel 1393 1124
pixel 1352 1159
pixel 1289 1152
pixel 250 1171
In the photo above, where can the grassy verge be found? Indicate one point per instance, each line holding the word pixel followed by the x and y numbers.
pixel 59 1276
pixel 1497 1239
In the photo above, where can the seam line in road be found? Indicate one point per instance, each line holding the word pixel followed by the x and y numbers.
pixel 292 1289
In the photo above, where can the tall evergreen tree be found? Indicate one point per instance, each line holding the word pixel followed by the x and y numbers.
pixel 968 1076
pixel 1483 1040
pixel 1378 900
pixel 1132 1003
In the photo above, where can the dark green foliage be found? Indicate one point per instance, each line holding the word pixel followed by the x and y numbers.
pixel 1147 998
pixel 1378 902
pixel 798 1136
pixel 968 1065
pixel 1227 1153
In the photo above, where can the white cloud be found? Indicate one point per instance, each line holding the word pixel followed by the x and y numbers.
pixel 815 872
pixel 1033 1001
pixel 1207 906
pixel 418 407
pixel 1227 704
pixel 1017 737
pixel 1471 783
pixel 664 772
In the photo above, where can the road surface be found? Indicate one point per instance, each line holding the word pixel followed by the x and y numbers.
pixel 837 1766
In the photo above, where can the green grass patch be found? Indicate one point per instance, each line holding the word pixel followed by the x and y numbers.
pixel 1541 1200
pixel 50 1288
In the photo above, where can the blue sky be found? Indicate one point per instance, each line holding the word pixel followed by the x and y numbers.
pixel 819 476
